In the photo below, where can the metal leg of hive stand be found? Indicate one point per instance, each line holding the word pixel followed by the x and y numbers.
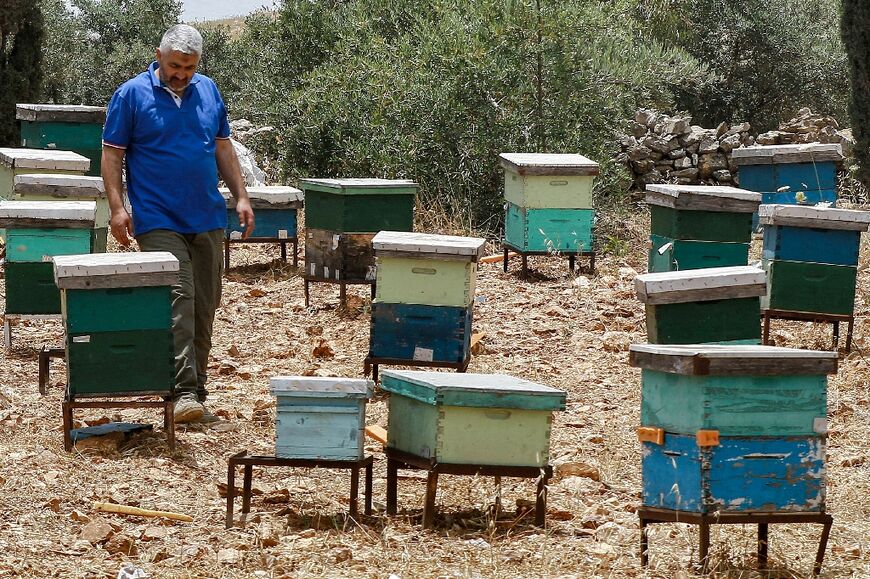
pixel 342 294
pixel 246 488
pixel 762 545
pixel 525 266
pixel 505 262
pixel 284 251
pixel 231 491
pixel 429 505
pixel 375 373
pixel 392 486
pixel 67 410
pixel 823 544
pixel 571 263
pixel 368 491
pixel 541 499
pixel 354 492
pixel 765 336
pixel 307 293
pixel 644 543
pixel 704 546
pixel 849 328
pixel 44 363
pixel 374 290
pixel 169 422
pixel 836 336
pixel 295 254
pixel 592 263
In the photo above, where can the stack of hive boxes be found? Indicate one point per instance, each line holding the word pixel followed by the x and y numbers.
pixel 341 218
pixel 425 296
pixel 320 418
pixel 15 162
pixel 790 174
pixel 719 304
pixel 69 188
pixel 117 311
pixel 36 231
pixel 549 202
pixel 811 257
pixel 696 226
pixel 66 127
pixel 733 429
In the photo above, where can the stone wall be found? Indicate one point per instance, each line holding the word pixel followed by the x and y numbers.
pixel 670 149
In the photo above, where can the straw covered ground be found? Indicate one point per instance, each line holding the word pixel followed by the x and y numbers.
pixel 557 329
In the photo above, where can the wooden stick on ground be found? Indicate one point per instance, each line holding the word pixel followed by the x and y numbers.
pixel 376 432
pixel 496 258
pixel 128 510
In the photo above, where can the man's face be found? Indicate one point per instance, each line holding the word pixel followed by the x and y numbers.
pixel 176 69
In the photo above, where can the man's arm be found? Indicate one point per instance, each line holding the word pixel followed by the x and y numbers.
pixel 120 222
pixel 231 173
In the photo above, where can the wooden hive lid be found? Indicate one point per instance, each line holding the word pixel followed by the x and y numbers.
pixel 318 387
pixel 60 113
pixel 428 245
pixel 696 285
pixel 46 159
pixel 532 164
pixel 59 185
pixel 358 186
pixel 720 360
pixel 703 198
pixel 271 194
pixel 777 154
pixel 814 216
pixel 31 213
pixel 472 390
pixel 105 270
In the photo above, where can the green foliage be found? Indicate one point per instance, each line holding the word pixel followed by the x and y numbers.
pixel 855 26
pixel 21 30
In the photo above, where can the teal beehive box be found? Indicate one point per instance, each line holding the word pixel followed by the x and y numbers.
pixel 320 418
pixel 480 419
pixel 36 231
pixel 66 127
pixel 117 310
pixel 703 306
pixel 697 226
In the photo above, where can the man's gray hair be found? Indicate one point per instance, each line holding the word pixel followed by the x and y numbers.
pixel 182 38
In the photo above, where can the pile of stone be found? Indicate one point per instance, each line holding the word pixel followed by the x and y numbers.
pixel 809 127
pixel 671 149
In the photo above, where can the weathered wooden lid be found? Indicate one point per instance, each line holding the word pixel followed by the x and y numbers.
pixel 317 387
pixel 814 216
pixel 115 269
pixel 271 194
pixel 29 212
pixel 60 113
pixel 776 154
pixel 428 245
pixel 716 360
pixel 698 285
pixel 360 186
pixel 46 159
pixel 567 164
pixel 59 185
pixel 472 390
pixel 703 198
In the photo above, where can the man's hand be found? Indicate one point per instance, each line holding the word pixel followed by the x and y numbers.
pixel 122 227
pixel 246 216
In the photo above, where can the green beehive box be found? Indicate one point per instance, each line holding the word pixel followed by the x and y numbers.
pixel 548 181
pixel 37 230
pixel 703 306
pixel 426 269
pixel 39 187
pixel 481 419
pixel 67 127
pixel 359 205
pixel 15 162
pixel 667 254
pixel 797 286
pixel 30 289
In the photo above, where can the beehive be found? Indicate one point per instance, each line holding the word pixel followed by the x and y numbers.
pixel 35 231
pixel 66 127
pixel 483 419
pixel 420 333
pixel 20 161
pixel 117 310
pixel 320 418
pixel 790 174
pixel 811 256
pixel 702 306
pixel 696 226
pixel 275 210
pixel 733 428
pixel 339 256
pixel 39 187
pixel 359 205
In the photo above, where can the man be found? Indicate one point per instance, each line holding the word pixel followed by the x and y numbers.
pixel 170 126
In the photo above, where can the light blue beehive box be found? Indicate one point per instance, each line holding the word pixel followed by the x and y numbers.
pixel 320 418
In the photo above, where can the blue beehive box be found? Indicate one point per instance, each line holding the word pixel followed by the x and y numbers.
pixel 275 208
pixel 320 418
pixel 420 332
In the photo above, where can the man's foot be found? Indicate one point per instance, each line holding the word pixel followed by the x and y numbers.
pixel 188 409
pixel 207 417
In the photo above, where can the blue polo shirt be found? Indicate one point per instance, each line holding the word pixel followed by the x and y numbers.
pixel 172 175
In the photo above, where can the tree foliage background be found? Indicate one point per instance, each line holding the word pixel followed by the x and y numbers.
pixel 856 37
pixel 433 90
pixel 21 32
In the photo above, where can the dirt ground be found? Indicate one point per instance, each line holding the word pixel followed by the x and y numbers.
pixel 570 332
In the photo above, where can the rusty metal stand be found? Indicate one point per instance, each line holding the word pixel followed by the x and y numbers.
pixel 650 515
pixel 371 363
pixel 45 355
pixel 70 404
pixel 342 291
pixel 249 460
pixel 572 255
pixel 282 241
pixel 397 459
pixel 833 319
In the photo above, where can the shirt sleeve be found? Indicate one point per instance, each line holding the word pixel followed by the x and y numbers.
pixel 223 123
pixel 119 122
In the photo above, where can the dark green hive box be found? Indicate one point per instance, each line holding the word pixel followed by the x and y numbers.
pixel 66 127
pixel 30 289
pixel 359 205
pixel 810 287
